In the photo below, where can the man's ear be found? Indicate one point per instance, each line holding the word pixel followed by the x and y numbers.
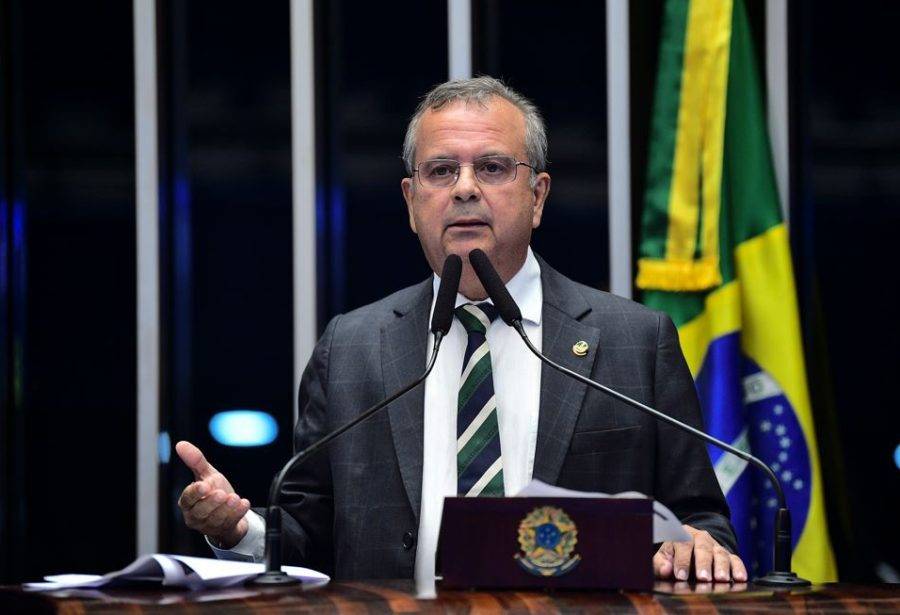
pixel 540 191
pixel 409 192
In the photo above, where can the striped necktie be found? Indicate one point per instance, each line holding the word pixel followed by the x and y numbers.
pixel 478 461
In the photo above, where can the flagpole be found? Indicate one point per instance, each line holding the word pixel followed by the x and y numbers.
pixel 777 97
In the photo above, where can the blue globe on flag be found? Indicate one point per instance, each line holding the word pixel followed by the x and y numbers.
pixel 746 407
pixel 776 437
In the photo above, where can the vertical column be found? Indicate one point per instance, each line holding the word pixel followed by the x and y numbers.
pixel 619 144
pixel 777 96
pixel 459 38
pixel 303 158
pixel 147 198
pixel 13 308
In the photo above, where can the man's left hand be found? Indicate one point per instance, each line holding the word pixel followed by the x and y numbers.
pixel 673 560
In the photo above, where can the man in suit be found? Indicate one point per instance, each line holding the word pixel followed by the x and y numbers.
pixel 490 417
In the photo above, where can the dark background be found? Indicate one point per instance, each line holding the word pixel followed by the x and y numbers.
pixel 845 212
pixel 67 410
pixel 67 232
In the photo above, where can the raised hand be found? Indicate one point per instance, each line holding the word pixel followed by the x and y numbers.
pixel 209 504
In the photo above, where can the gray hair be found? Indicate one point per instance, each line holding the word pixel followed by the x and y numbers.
pixel 480 90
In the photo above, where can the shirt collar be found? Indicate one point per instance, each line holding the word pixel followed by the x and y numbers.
pixel 525 288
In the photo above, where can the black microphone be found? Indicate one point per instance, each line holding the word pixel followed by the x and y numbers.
pixel 496 289
pixel 441 320
pixel 442 317
pixel 781 575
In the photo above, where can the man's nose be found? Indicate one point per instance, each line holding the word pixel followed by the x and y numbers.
pixel 466 187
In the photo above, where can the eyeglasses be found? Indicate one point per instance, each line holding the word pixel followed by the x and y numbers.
pixel 492 170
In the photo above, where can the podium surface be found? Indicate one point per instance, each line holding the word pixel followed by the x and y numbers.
pixel 398 596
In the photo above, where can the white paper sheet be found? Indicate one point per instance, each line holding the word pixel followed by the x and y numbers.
pixel 176 571
pixel 666 525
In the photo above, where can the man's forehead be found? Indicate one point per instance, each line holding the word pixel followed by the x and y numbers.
pixel 496 118
pixel 493 106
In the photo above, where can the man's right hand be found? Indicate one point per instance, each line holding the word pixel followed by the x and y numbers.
pixel 209 504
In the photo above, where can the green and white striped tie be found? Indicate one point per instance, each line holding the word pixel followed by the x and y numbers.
pixel 478 460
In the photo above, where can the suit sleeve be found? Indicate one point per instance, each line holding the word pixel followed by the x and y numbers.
pixel 307 499
pixel 685 480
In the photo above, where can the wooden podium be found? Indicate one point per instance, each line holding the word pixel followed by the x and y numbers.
pixel 546 543
pixel 398 596
pixel 503 543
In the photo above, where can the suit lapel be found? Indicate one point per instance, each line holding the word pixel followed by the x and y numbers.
pixel 403 347
pixel 561 396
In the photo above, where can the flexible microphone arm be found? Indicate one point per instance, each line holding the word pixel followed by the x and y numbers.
pixel 273 574
pixel 441 321
pixel 781 575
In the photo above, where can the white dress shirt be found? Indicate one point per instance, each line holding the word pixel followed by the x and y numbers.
pixel 517 387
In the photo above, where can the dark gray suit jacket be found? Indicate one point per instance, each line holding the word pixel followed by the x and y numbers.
pixel 353 510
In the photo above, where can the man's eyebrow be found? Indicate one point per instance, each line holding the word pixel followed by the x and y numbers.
pixel 492 152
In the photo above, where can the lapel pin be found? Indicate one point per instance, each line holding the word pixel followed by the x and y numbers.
pixel 580 349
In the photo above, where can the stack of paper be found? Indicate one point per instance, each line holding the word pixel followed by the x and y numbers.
pixel 175 571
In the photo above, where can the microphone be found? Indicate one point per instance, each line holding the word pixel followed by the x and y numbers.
pixel 441 320
pixel 781 575
pixel 495 288
pixel 442 317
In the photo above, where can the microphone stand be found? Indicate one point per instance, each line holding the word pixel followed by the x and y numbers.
pixel 781 575
pixel 273 574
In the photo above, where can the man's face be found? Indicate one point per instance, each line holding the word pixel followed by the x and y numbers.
pixel 498 219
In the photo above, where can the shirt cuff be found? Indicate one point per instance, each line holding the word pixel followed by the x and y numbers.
pixel 251 548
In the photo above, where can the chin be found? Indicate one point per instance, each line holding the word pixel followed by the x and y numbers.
pixel 462 248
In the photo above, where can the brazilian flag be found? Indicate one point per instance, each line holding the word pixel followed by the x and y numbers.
pixel 714 255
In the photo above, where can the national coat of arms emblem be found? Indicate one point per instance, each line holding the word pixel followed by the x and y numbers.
pixel 547 537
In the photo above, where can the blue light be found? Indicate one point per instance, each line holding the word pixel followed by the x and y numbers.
pixel 243 428
pixel 897 456
pixel 164 447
